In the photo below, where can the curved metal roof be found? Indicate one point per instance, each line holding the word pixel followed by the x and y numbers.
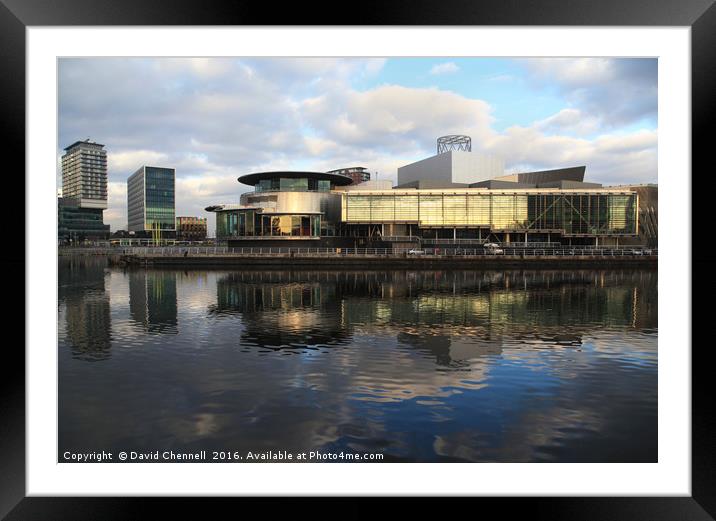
pixel 229 206
pixel 336 179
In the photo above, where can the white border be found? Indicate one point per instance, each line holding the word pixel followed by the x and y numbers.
pixel 671 476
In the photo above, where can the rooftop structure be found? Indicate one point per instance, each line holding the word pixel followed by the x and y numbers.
pixel 294 181
pixel 453 143
pixel 573 173
pixel 359 174
pixel 454 166
pixel 374 184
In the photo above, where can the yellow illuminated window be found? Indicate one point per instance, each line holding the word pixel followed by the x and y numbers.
pixel 431 210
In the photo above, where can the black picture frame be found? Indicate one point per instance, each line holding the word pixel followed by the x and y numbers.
pixel 17 15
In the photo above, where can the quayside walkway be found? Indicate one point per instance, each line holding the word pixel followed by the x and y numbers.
pixel 503 257
pixel 452 251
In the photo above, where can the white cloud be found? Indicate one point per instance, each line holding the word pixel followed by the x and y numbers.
pixel 571 121
pixel 501 77
pixel 574 72
pixel 202 67
pixel 129 161
pixel 614 91
pixel 610 159
pixel 444 68
pixel 216 119
pixel 395 117
pixel 116 213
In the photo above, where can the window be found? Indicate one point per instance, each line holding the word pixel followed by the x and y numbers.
pixel 294 185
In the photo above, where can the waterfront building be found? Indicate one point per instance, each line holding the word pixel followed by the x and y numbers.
pixel 302 207
pixel 84 174
pixel 494 215
pixel 151 201
pixel 191 228
pixel 359 174
pixel 648 213
pixel 76 224
pixel 83 197
pixel 455 205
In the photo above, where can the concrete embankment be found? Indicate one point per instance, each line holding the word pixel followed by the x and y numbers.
pixel 284 261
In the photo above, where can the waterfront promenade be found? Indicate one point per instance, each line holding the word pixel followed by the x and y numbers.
pixel 221 256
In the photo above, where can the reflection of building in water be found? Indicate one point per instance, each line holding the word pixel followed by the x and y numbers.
pixel 87 314
pixel 543 299
pixel 451 350
pixel 76 274
pixel 427 309
pixel 282 310
pixel 153 300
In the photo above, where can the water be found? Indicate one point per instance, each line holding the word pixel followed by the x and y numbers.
pixel 506 366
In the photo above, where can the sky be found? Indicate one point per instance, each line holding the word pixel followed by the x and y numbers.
pixel 215 119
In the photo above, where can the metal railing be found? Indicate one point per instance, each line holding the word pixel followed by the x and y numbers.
pixel 388 252
pixel 400 238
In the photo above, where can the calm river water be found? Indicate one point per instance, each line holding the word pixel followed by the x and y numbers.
pixel 507 366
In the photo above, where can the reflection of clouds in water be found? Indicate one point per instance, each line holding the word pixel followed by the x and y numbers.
pixel 599 416
pixel 421 365
pixel 537 429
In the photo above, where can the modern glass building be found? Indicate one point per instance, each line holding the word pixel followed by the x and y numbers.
pixel 76 224
pixel 328 210
pixel 150 200
pixel 284 205
pixel 480 213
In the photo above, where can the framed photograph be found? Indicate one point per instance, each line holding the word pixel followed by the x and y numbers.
pixel 416 255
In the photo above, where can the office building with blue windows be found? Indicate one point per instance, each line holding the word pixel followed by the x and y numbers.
pixel 151 201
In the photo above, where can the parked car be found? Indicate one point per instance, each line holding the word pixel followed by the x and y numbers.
pixel 492 248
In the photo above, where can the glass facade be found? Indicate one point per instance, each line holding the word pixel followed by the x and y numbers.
pixel 135 201
pixel 77 224
pixel 599 213
pixel 293 184
pixel 150 199
pixel 251 223
pixel 159 197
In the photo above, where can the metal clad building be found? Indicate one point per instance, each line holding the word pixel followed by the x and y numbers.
pixel 453 167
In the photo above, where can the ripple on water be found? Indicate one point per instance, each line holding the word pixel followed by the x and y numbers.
pixel 423 366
